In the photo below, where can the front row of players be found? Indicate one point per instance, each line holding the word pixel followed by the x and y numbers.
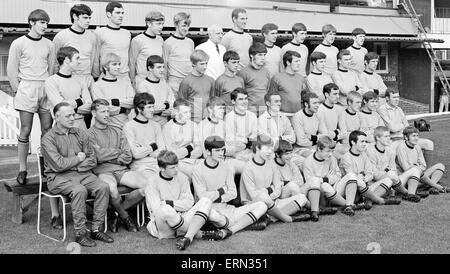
pixel 94 164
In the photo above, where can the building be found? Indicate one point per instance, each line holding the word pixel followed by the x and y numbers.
pixel 404 64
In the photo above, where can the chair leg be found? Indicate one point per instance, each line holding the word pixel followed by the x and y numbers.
pixel 39 222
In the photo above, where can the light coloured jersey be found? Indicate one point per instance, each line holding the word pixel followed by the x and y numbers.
pixel 331 119
pixel 331 62
pixel 178 136
pixel 369 122
pixel 304 53
pixel 272 59
pixel 306 128
pixel 276 126
pixel 162 93
pixel 85 42
pixel 112 40
pixel 289 87
pixel 316 81
pixel 225 84
pixel 256 84
pixel 357 64
pixel 289 172
pixel 408 157
pixel 356 163
pixel 394 118
pixel 382 159
pixel 239 42
pixel 142 46
pixel 327 169
pixel 347 81
pixel 215 52
pixel 352 120
pixel 372 81
pixel 197 90
pixel 177 52
pixel 240 127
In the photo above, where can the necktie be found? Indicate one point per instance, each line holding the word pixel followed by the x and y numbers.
pixel 217 48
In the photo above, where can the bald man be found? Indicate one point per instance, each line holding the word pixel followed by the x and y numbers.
pixel 215 51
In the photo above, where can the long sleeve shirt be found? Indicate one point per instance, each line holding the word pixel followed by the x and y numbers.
pixel 408 157
pixel 357 64
pixel 141 135
pixel 260 178
pixel 272 59
pixel 331 119
pixel 346 80
pixel 141 47
pixel 276 126
pixel 394 118
pixel 256 84
pixel 85 42
pixel 240 128
pixel 163 191
pixel 382 160
pixel 289 172
pixel 239 42
pixel 209 180
pixel 306 128
pixel 331 61
pixel 162 93
pixel 215 52
pixel 370 121
pixel 225 84
pixel 328 170
pixel 372 81
pixel 304 53
pixel 289 87
pixel 357 164
pixel 316 81
pixel 111 148
pixel 60 150
pixel 177 52
pixel 197 90
pixel 178 136
pixel 352 120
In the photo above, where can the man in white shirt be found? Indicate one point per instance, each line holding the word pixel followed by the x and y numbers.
pixel 215 51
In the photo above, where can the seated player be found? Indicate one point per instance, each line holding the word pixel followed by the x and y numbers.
pixel 369 117
pixel 240 126
pixel 156 85
pixel 115 89
pixel 322 167
pixel 383 159
pixel 144 136
pixel 113 155
pixel 213 178
pixel 409 155
pixel 69 160
pixel 294 183
pixel 260 181
pixel 181 136
pixel 345 78
pixel 273 123
pixel 62 87
pixel 228 81
pixel 351 114
pixel 355 161
pixel 370 80
pixel 197 87
pixel 317 79
pixel 171 205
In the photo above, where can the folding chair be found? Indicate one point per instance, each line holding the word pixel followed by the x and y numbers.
pixel 140 210
pixel 64 200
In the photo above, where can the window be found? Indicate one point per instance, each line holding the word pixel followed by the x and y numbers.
pixel 443 54
pixel 382 50
pixel 3 63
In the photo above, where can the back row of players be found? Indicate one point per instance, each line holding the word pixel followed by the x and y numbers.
pixel 245 140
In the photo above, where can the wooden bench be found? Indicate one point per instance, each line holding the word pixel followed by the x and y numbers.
pixel 32 187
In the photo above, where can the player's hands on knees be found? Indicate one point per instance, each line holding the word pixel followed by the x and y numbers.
pixel 81 155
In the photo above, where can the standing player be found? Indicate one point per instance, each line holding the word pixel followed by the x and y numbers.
pixel 317 79
pixel 156 85
pixel 260 181
pixel 289 83
pixel 409 155
pixel 370 80
pixel 256 76
pixel 357 51
pixel 215 51
pixel 197 87
pixel 63 87
pixel 84 40
pixel 177 50
pixel 113 39
pixel 383 159
pixel 329 35
pixel 228 81
pixel 30 62
pixel 181 136
pixel 113 155
pixel 346 79
pixel 237 39
pixel 369 117
pixel 213 178
pixel 144 45
pixel 241 126
pixel 299 33
pixel 273 56
pixel 116 89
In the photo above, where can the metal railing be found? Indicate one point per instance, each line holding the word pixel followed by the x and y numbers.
pixel 358 3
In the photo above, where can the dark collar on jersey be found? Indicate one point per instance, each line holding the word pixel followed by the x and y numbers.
pixel 315 157
pixel 238 32
pixel 149 36
pixel 77 32
pixel 379 150
pixel 176 37
pixel 164 178
pixel 366 72
pixel 342 70
pixel 113 28
pixel 325 45
pixel 32 38
pixel 327 106
pixel 366 112
pixel 178 123
pixel 109 80
pixel 355 47
pixel 63 75
pixel 295 44
pixel 350 113
pixel 239 114
pixel 356 155
pixel 211 167
pixel 140 121
pixel 410 147
pixel 258 164
pixel 316 73
pixel 278 163
pixel 211 121
pixel 306 113
pixel 151 81
pixel 267 46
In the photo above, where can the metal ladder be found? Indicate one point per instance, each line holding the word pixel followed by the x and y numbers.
pixel 409 8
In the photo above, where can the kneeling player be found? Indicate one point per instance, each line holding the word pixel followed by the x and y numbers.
pixel 356 161
pixel 260 181
pixel 214 179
